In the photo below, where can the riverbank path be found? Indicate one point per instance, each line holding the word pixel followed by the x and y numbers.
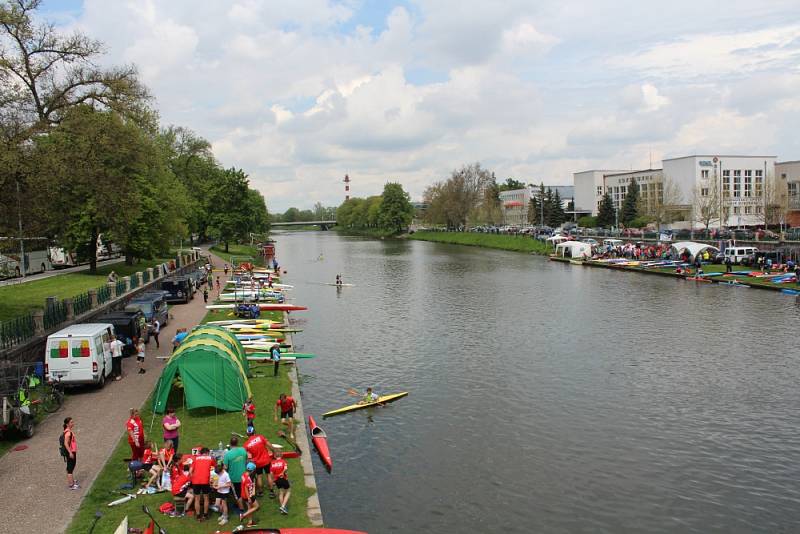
pixel 36 498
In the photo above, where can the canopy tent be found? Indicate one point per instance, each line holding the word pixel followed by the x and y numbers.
pixel 574 249
pixel 213 368
pixel 557 239
pixel 692 247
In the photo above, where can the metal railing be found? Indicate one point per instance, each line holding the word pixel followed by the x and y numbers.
pixel 120 287
pixel 103 294
pixel 134 282
pixel 55 314
pixel 145 277
pixel 16 330
pixel 81 304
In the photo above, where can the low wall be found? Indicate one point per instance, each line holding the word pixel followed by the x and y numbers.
pixel 32 350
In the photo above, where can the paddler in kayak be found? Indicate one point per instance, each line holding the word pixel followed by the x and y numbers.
pixel 369 398
pixel 338 280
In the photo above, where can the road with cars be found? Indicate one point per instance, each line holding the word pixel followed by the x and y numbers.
pixel 56 272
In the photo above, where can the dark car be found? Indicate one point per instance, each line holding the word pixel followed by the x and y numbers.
pixel 744 234
pixel 180 289
pixel 128 325
pixel 154 306
pixel 197 277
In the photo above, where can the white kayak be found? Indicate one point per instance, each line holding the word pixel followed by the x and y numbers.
pixel 242 323
pixel 333 284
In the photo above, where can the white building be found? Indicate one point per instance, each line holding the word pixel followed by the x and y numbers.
pixel 649 181
pixel 788 175
pixel 589 189
pixel 740 182
pixel 514 204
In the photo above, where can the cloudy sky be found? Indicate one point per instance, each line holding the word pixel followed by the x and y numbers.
pixel 300 92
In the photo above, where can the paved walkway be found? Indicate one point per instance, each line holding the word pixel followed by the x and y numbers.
pixel 36 498
pixel 57 272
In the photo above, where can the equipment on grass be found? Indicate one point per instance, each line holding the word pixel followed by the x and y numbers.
pixel 381 401
pixel 126 498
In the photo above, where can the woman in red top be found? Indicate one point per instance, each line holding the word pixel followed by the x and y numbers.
pixel 135 430
pixel 71 446
pixel 277 473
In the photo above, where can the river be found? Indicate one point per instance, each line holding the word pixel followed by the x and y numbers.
pixel 544 397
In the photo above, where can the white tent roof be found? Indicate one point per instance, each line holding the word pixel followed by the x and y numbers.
pixel 557 238
pixel 576 249
pixel 693 247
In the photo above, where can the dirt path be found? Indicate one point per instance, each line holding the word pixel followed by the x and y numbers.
pixel 36 497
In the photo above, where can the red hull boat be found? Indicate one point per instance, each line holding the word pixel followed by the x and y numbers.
pixel 320 441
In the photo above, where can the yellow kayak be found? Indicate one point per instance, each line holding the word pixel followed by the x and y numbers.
pixel 381 400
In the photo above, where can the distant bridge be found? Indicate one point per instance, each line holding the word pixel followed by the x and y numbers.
pixel 324 225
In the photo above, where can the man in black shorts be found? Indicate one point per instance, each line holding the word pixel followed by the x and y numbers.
pixel 286 405
pixel 200 473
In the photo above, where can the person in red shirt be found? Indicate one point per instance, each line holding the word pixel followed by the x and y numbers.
pixel 182 486
pixel 248 495
pixel 249 411
pixel 259 451
pixel 278 473
pixel 286 405
pixel 135 435
pixel 200 473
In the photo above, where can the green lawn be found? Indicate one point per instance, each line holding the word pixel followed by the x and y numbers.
pixel 502 242
pixel 17 299
pixel 199 427
pixel 239 251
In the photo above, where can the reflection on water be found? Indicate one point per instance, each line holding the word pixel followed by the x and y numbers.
pixel 545 397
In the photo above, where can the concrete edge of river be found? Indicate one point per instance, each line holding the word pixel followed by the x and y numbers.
pixel 313 509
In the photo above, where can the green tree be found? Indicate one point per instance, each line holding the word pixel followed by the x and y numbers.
pixel 229 220
pixel 630 206
pixel 511 184
pixel 606 214
pixel 396 210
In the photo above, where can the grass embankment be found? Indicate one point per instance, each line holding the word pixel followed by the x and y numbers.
pixel 238 251
pixel 17 299
pixel 378 233
pixel 498 241
pixel 198 427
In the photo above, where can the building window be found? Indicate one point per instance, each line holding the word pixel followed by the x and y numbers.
pixel 737 183
pixel 704 173
pixel 726 183
pixel 748 210
pixel 783 175
pixel 736 210
pixel 599 191
pixel 748 182
pixel 758 210
pixel 759 181
pixel 704 192
pixel 792 187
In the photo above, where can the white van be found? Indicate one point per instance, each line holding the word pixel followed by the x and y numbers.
pixel 737 254
pixel 79 354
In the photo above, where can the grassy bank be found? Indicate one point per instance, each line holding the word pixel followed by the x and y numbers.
pixel 365 232
pixel 502 242
pixel 17 299
pixel 199 427
pixel 239 251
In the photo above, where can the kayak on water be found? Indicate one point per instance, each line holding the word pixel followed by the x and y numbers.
pixel 332 284
pixel 261 306
pixel 320 440
pixel 381 400
pixel 303 530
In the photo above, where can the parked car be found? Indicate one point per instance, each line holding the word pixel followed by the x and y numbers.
pixel 590 241
pixel 180 289
pixel 744 234
pixel 79 354
pixel 128 326
pixel 153 305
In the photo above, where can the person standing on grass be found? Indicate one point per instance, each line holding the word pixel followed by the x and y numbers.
pixel 235 461
pixel 286 405
pixel 259 451
pixel 69 450
pixel 116 347
pixel 156 331
pixel 278 473
pixel 140 352
pixel 248 495
pixel 222 489
pixel 171 424
pixel 200 473
pixel 275 356
pixel 135 430
pixel 249 411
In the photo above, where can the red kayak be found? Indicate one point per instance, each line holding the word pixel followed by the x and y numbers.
pixel 263 530
pixel 320 440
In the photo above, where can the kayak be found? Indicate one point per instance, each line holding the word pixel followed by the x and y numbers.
pixel 264 359
pixel 333 284
pixel 320 441
pixel 381 400
pixel 304 530
pixel 249 323
pixel 261 306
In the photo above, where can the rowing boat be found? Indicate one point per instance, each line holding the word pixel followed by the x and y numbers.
pixel 261 306
pixel 381 401
pixel 320 440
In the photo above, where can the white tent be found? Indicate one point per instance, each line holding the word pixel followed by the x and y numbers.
pixel 557 239
pixel 692 247
pixel 574 249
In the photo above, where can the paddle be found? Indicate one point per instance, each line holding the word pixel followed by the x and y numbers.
pixel 283 435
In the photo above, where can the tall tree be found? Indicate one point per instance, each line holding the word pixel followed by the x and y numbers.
pixel 606 214
pixel 511 184
pixel 229 220
pixel 454 200
pixel 395 211
pixel 630 206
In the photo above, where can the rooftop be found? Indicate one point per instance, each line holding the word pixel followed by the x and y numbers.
pixel 718 156
pixel 633 172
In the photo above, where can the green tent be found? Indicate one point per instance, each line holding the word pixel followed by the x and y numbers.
pixel 213 368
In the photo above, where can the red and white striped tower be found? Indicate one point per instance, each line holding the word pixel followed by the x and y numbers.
pixel 346 187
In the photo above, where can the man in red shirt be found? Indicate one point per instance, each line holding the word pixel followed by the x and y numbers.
pixel 277 472
pixel 182 487
pixel 135 435
pixel 259 450
pixel 286 405
pixel 200 473
pixel 248 495
pixel 249 411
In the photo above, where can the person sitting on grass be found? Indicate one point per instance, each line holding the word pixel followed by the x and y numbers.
pixel 248 495
pixel 182 486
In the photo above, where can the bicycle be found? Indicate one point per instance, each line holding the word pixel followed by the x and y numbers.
pixel 53 396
